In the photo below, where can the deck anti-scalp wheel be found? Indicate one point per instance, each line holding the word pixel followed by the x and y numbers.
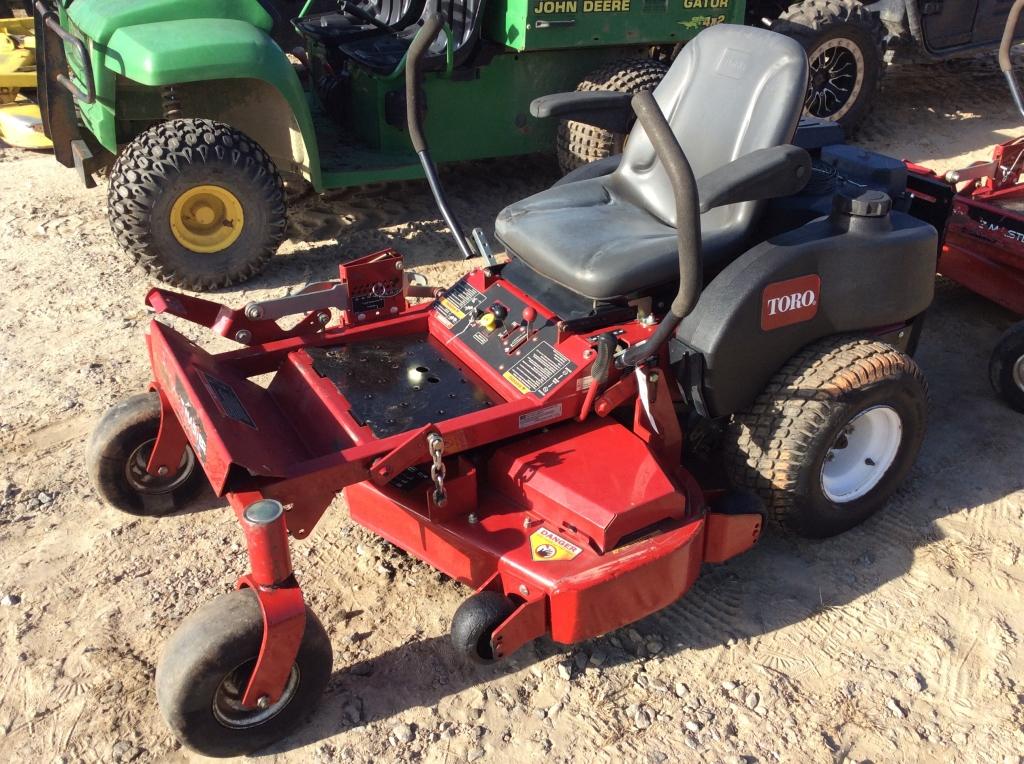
pixel 474 623
pixel 578 143
pixel 118 452
pixel 1006 367
pixel 197 203
pixel 845 49
pixel 205 669
pixel 832 437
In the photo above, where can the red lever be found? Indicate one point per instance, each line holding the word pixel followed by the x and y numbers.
pixel 529 315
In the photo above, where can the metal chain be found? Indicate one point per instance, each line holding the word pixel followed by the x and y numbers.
pixel 435 444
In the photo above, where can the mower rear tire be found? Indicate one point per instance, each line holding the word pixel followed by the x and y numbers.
pixel 117 454
pixel 1006 367
pixel 845 44
pixel 579 143
pixel 833 435
pixel 474 623
pixel 197 203
pixel 206 666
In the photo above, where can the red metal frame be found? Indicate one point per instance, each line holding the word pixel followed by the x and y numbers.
pixel 585 523
pixel 983 239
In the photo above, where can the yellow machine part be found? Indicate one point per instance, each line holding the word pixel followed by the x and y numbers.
pixel 20 122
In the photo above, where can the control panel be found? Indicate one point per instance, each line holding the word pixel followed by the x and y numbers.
pixel 507 334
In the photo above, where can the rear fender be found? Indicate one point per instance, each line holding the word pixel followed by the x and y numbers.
pixel 814 282
pixel 236 73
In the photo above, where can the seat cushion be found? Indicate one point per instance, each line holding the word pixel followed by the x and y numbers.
pixel 591 240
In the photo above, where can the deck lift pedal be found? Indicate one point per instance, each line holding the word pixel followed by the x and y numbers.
pixel 517 433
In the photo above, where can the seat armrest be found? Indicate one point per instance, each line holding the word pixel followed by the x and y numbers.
pixel 762 174
pixel 599 108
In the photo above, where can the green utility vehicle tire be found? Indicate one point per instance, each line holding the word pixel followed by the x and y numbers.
pixel 832 437
pixel 579 144
pixel 845 44
pixel 197 203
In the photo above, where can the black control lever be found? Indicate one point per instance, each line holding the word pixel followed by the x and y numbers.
pixel 420 45
pixel 684 189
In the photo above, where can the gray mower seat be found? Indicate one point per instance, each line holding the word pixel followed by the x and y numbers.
pixel 732 90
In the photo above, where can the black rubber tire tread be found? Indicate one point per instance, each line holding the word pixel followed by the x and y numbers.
pixel 176 155
pixel 811 21
pixel 475 620
pixel 210 644
pixel 777 446
pixel 1005 355
pixel 577 143
pixel 123 428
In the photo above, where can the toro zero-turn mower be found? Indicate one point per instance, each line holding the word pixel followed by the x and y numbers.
pixel 526 429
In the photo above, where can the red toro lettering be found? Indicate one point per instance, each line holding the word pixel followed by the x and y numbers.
pixel 790 302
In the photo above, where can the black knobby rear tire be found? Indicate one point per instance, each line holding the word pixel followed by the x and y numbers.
pixel 180 155
pixel 1006 367
pixel 805 419
pixel 116 455
pixel 843 39
pixel 578 143
pixel 475 621
pixel 204 665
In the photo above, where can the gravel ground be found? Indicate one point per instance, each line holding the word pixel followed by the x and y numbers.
pixel 899 641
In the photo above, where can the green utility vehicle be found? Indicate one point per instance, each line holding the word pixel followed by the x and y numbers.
pixel 200 110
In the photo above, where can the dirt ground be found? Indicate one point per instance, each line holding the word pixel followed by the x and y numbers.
pixel 899 641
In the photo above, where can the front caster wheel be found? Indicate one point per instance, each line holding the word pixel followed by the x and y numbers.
pixel 117 455
pixel 474 623
pixel 832 437
pixel 1006 367
pixel 205 669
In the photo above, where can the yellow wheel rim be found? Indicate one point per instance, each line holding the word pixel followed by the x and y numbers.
pixel 207 219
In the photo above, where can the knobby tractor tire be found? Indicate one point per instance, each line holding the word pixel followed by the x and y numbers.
pixel 1006 367
pixel 206 666
pixel 779 446
pixel 822 25
pixel 579 144
pixel 167 161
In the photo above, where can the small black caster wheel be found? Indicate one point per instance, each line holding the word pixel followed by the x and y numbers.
pixel 205 669
pixel 116 460
pixel 474 623
pixel 1006 367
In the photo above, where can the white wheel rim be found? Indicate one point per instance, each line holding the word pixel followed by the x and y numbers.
pixel 1018 373
pixel 861 454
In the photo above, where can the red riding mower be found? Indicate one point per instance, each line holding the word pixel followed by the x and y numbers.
pixel 523 430
pixel 983 230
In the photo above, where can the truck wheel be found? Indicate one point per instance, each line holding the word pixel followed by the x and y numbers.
pixel 845 46
pixel 205 669
pixel 198 204
pixel 1006 367
pixel 579 144
pixel 117 454
pixel 833 435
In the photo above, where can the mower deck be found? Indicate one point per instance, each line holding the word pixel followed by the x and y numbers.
pixel 584 522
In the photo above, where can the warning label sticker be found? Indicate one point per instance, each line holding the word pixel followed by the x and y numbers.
pixel 456 303
pixel 546 546
pixel 545 414
pixel 539 370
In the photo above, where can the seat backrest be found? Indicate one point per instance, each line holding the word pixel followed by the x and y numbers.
pixel 463 17
pixel 730 91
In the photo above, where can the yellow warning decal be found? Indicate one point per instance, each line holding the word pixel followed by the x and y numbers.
pixel 516 382
pixel 547 546
pixel 453 308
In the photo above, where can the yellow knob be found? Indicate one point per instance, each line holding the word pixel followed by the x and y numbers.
pixel 487 321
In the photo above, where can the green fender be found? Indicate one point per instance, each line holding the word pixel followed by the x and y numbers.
pixel 197 50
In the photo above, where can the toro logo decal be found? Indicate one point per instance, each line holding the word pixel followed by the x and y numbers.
pixel 790 302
